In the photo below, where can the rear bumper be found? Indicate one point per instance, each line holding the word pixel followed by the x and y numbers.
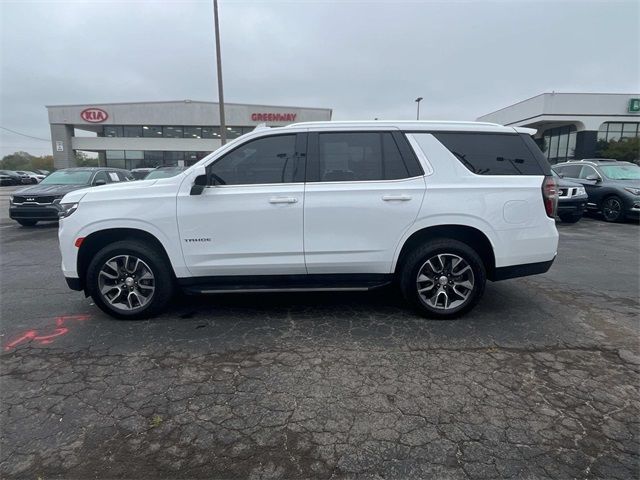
pixel 48 212
pixel 524 270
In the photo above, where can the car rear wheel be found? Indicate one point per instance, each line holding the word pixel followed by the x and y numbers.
pixel 613 209
pixel 130 280
pixel 443 278
pixel 27 223
pixel 570 218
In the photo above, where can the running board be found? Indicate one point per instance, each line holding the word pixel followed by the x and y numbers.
pixel 284 283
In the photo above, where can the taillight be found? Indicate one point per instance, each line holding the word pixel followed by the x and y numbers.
pixel 550 195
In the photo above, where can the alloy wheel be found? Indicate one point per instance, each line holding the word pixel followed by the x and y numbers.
pixel 611 208
pixel 126 282
pixel 445 281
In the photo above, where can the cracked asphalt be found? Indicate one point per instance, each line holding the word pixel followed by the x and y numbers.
pixel 541 380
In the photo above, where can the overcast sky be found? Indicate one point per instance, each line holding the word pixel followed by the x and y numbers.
pixel 363 59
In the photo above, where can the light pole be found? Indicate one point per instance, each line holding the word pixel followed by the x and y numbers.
pixel 418 100
pixel 223 125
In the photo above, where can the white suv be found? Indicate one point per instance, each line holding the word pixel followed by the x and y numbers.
pixel 438 207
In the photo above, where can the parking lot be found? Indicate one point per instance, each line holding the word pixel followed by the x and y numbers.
pixel 541 380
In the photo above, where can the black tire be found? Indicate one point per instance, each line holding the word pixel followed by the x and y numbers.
pixel 570 218
pixel 417 259
pixel 613 209
pixel 27 223
pixel 156 262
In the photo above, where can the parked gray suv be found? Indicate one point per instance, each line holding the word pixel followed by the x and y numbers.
pixel 613 187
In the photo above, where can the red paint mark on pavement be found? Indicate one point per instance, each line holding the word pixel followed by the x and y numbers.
pixel 46 338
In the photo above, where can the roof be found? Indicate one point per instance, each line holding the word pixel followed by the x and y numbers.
pixel 413 125
pixel 594 160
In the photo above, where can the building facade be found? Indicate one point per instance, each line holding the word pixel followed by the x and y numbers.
pixel 570 125
pixel 151 134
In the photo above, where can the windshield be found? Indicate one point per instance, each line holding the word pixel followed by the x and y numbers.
pixel 621 172
pixel 163 173
pixel 68 177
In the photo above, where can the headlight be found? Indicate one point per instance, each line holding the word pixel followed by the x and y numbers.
pixel 635 191
pixel 581 191
pixel 67 209
pixel 11 199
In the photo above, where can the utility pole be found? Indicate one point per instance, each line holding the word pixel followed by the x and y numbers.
pixel 223 125
pixel 418 100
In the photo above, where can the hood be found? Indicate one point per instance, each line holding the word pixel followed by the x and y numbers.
pixel 562 183
pixel 126 188
pixel 58 190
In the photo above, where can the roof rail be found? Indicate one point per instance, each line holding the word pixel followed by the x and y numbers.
pixel 593 160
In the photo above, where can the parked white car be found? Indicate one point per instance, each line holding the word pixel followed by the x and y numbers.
pixel 438 207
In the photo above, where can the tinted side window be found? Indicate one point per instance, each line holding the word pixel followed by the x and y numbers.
pixel 358 156
pixel 393 165
pixel 570 171
pixel 113 177
pixel 101 175
pixel 586 171
pixel 492 153
pixel 265 160
pixel 348 157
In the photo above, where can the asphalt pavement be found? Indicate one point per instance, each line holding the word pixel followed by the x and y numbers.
pixel 541 380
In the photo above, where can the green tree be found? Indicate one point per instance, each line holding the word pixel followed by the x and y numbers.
pixel 43 163
pixel 16 161
pixel 625 149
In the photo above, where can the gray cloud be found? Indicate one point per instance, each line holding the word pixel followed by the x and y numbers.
pixel 363 59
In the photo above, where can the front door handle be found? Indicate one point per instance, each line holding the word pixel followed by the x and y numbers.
pixel 283 200
pixel 397 198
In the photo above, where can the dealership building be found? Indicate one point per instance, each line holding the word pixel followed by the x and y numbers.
pixel 150 134
pixel 569 125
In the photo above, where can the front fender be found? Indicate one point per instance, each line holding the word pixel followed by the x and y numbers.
pixel 171 246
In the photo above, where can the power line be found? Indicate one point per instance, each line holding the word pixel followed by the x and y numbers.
pixel 24 134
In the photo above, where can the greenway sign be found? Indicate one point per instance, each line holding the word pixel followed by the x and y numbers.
pixel 634 105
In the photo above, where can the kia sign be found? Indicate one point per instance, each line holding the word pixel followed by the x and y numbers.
pixel 274 117
pixel 94 115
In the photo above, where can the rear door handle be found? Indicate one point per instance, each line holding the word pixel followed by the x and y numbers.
pixel 397 198
pixel 283 200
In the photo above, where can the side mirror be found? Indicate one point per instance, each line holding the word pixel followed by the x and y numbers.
pixel 97 183
pixel 200 182
pixel 594 178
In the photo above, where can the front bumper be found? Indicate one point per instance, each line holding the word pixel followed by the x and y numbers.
pixel 634 209
pixel 575 206
pixel 34 212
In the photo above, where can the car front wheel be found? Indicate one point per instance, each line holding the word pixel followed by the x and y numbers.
pixel 130 280
pixel 613 209
pixel 443 278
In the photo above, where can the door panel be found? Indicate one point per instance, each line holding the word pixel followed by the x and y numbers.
pixel 354 227
pixel 246 222
pixel 243 230
pixel 593 188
